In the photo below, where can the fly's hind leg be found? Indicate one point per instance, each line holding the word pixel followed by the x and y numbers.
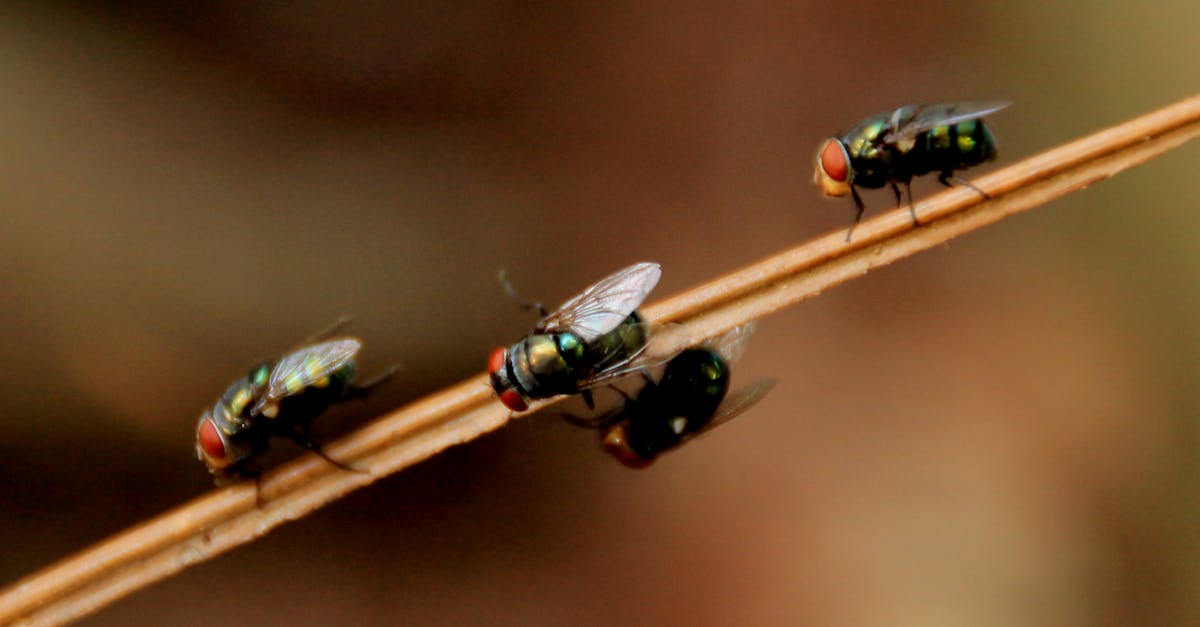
pixel 301 436
pixel 599 422
pixel 361 390
pixel 949 179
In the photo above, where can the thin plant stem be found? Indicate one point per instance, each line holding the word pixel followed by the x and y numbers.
pixel 228 517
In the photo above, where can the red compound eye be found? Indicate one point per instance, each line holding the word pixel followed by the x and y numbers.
pixel 833 161
pixel 496 360
pixel 210 440
pixel 512 400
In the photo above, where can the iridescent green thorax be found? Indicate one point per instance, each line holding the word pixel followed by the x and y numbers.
pixel 260 375
pixel 870 157
pixel 231 412
pixel 864 140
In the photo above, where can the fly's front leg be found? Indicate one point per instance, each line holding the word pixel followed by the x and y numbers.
pixel 912 210
pixel 525 305
pixel 858 204
pixel 949 179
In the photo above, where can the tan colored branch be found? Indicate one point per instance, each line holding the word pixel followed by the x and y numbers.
pixel 228 517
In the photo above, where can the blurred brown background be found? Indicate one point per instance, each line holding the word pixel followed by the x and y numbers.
pixel 1002 432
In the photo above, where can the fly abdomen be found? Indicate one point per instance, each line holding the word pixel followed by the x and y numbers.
pixel 954 147
pixel 617 345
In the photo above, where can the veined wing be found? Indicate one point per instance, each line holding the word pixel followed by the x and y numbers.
pixel 732 344
pixel 601 307
pixel 739 401
pixel 307 366
pixel 927 117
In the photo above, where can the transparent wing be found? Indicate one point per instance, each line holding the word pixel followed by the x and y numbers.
pixel 307 365
pixel 739 401
pixel 640 361
pixel 732 344
pixel 927 117
pixel 601 307
pixel 631 364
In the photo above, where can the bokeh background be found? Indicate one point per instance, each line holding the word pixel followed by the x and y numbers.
pixel 999 432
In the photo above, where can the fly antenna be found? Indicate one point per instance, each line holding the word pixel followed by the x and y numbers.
pixel 525 305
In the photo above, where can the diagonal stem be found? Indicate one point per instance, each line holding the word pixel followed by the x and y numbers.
pixel 228 517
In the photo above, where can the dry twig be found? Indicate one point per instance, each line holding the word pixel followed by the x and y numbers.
pixel 228 517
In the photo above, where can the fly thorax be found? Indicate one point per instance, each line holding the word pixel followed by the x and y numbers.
pixel 554 362
pixel 570 348
pixel 227 419
pixel 260 375
pixel 542 356
pixel 534 359
pixel 239 397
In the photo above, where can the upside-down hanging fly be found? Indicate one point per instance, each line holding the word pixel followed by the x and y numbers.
pixel 689 398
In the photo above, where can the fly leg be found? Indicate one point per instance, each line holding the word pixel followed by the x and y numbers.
pixel 588 399
pixel 301 436
pixel 599 422
pixel 858 203
pixel 329 331
pixel 604 420
pixel 950 180
pixel 911 208
pixel 523 304
pixel 236 474
pixel 617 372
pixel 360 390
pixel 239 473
pixel 908 193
